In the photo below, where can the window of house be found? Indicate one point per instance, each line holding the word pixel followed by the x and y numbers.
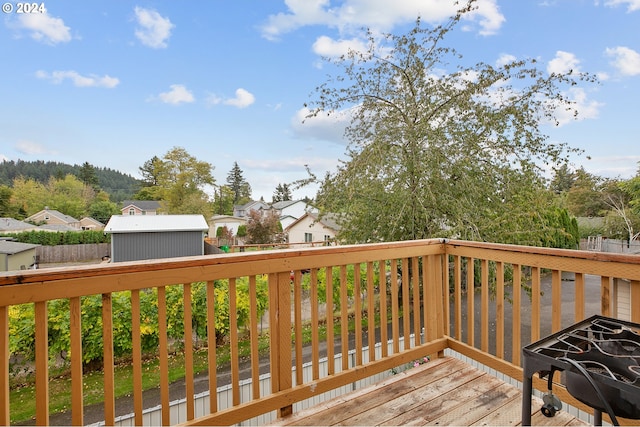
pixel 308 237
pixel 132 211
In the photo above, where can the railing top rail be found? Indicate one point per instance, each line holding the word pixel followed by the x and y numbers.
pixel 533 250
pixel 263 262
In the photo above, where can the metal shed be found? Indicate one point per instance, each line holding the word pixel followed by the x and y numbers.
pixel 138 237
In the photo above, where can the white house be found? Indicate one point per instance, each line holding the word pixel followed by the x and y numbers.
pixel 231 222
pixel 310 227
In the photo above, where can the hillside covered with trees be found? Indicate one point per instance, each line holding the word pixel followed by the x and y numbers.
pixel 118 185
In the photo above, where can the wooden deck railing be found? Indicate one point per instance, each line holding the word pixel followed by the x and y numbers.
pixel 410 294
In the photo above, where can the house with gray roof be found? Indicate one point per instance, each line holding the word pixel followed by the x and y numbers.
pixel 313 228
pixel 12 225
pixel 139 237
pixel 141 207
pixel 53 217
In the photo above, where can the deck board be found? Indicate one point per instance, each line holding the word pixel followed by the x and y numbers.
pixel 444 391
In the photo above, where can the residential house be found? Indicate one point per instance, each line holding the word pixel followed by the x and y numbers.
pixel 231 222
pixel 139 237
pixel 242 211
pixel 88 223
pixel 53 217
pixel 140 207
pixel 310 227
pixel 290 210
pixel 11 225
pixel 17 255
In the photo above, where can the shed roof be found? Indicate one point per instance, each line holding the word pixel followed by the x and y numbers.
pixel 11 248
pixel 155 223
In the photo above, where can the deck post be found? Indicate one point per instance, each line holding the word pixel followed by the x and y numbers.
pixel 280 335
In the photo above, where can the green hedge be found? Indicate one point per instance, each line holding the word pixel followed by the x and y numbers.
pixel 48 238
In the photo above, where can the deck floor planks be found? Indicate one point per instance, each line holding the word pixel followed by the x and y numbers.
pixel 368 397
pixel 395 406
pixel 444 391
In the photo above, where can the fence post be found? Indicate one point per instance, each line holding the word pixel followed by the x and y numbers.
pixel 280 335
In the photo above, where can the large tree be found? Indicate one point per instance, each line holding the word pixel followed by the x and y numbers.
pixel 439 153
pixel 178 180
pixel 239 185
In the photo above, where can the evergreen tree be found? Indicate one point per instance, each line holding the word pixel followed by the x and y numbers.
pixel 282 193
pixel 240 187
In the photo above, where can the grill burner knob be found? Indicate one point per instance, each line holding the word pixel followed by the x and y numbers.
pixel 551 405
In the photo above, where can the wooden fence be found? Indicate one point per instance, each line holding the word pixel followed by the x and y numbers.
pixel 72 253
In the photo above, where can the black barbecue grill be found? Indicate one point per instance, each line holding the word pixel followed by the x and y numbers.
pixel 600 359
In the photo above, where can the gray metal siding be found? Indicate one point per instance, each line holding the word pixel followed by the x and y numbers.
pixel 138 246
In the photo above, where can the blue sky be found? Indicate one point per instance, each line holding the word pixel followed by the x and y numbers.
pixel 115 83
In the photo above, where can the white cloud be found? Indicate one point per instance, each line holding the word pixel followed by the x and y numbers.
pixel 505 59
pixel 79 80
pixel 153 30
pixel 380 15
pixel 563 63
pixel 626 60
pixel 31 148
pixel 178 94
pixel 587 108
pixel 326 46
pixel 632 5
pixel 243 99
pixel 44 28
pixel 325 127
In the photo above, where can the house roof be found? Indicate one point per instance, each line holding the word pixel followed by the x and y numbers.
pixel 218 218
pixel 145 205
pixel 66 218
pixel 10 248
pixel 250 204
pixel 57 227
pixel 155 223
pixel 284 203
pixel 92 220
pixel 328 220
pixel 11 224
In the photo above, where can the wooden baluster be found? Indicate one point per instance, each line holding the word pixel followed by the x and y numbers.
pixel 515 319
pixel 579 297
pixel 556 300
pixel 415 283
pixel 75 332
pixel 5 409
pixel 315 321
pixel 470 302
pixel 211 344
pixel 233 342
pixel 484 305
pixel 188 350
pixel 500 310
pixel 136 355
pixel 357 299
pixel 108 360
pixel 344 318
pixel 253 332
pixel 163 355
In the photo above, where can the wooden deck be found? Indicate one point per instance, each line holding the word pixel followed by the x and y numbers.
pixel 444 391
